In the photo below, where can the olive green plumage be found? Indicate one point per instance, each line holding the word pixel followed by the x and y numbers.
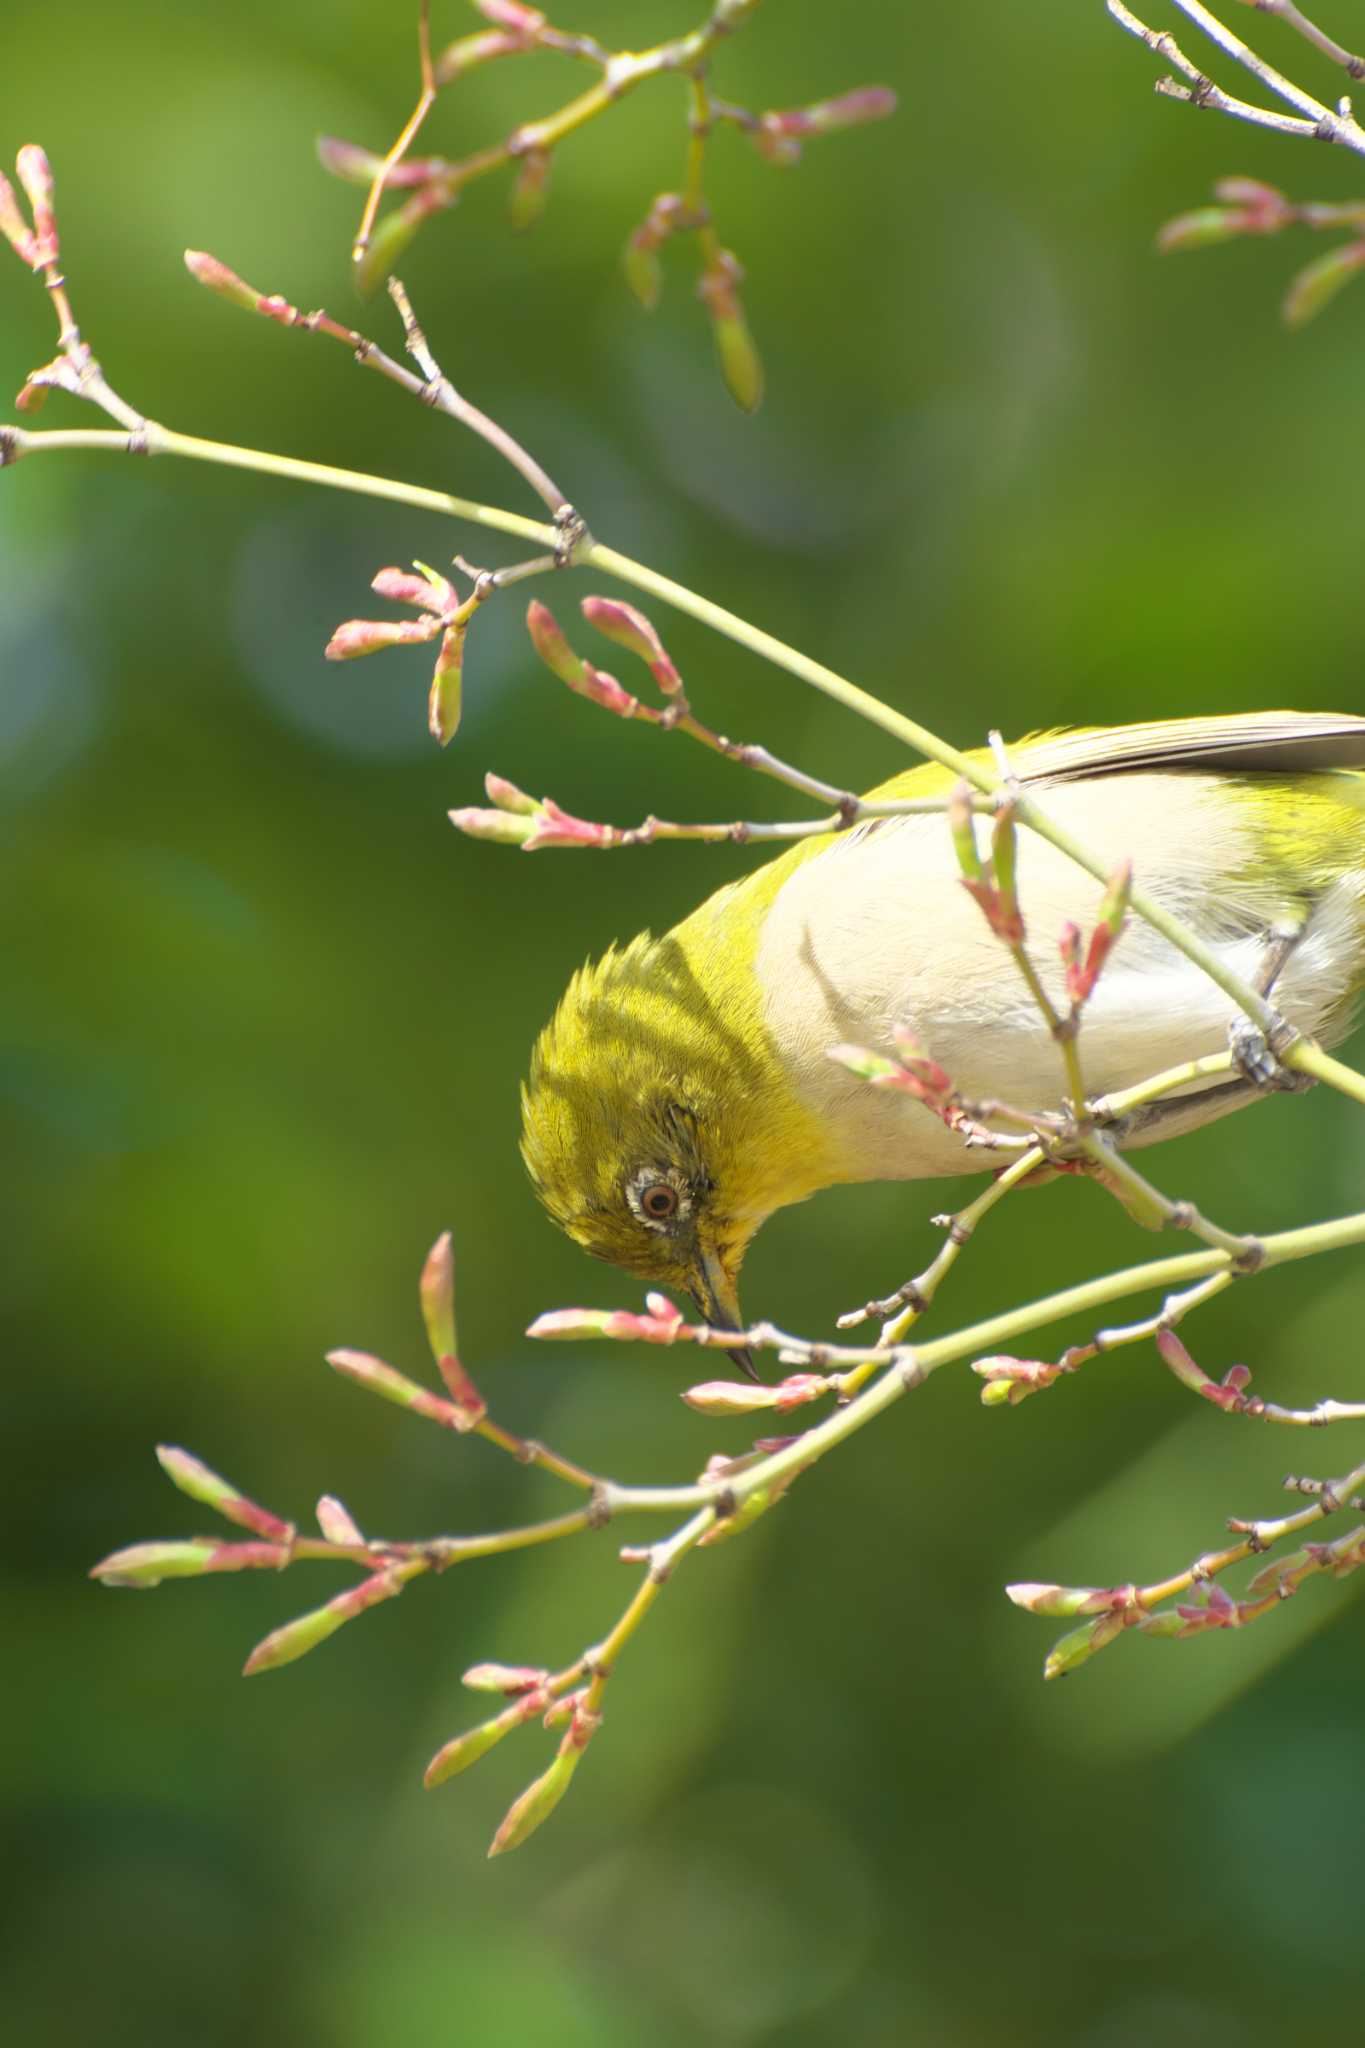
pixel 683 1090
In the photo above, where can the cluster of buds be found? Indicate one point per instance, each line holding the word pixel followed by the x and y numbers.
pixel 532 1698
pixel 625 627
pixel 1245 207
pixel 433 183
pixel 536 822
pixel 1083 965
pixel 441 613
pixel 991 883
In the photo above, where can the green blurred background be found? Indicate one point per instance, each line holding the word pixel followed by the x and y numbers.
pixel 263 1015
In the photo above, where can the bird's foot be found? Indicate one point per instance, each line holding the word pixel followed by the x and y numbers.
pixel 1256 1056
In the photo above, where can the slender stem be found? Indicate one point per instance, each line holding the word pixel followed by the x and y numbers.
pixel 410 128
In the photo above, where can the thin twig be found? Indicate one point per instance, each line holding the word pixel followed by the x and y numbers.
pixel 399 149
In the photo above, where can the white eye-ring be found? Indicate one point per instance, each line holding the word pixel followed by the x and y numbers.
pixel 659 1196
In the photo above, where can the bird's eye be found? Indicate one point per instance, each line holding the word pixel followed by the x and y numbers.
pixel 659 1201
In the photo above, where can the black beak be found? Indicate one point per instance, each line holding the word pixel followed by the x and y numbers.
pixel 715 1295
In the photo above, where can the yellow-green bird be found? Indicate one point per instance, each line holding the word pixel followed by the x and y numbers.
pixel 684 1090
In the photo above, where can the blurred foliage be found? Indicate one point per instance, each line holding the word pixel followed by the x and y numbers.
pixel 264 1015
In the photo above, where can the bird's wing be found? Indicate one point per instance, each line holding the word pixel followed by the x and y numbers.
pixel 1251 742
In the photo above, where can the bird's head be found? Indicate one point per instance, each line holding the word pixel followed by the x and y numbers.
pixel 643 1123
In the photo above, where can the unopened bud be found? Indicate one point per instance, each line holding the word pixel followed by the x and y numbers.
pixel 445 696
pixel 529 190
pixel 194 1478
pixel 497 826
pixel 626 627
pixel 740 363
pixel 296 1638
pixel 35 175
pixel 729 1397
pixel 1080 1646
pixel 388 239
pixel 347 160
pixel 372 636
pixel 337 1523
pixel 512 1679
pixel 437 1293
pixel 1319 282
pixel 216 277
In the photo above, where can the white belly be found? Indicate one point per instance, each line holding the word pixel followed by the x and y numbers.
pixel 877 931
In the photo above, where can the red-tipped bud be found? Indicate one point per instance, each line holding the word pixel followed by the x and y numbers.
pixel 298 1637
pixel 390 238
pixel 464 1750
pixel 1251 192
pixel 15 228
pixel 626 627
pixel 640 257
pixel 147 1564
pixel 547 637
pixel 510 14
pixel 529 191
pixel 511 1679
pixel 347 160
pixel 337 1523
pixel 540 1799
pixel 741 366
pixel 779 135
pixel 962 827
pixel 422 588
pixel 378 1378
pixel 1077 1648
pixel 372 636
pixel 194 1478
pixel 557 827
pixel 447 685
pixel 1011 1380
pixel 663 1325
pixel 729 1397
pixel 437 1291
pixel 644 273
pixel 508 797
pixel 35 175
pixel 216 277
pixel 498 826
pixel 1318 283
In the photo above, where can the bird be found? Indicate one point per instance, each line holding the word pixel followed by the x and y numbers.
pixel 683 1090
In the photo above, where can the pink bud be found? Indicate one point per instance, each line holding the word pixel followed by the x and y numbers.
pixel 337 1523
pixel 372 636
pixel 498 826
pixel 523 21
pixel 512 1679
pixel 16 229
pixel 428 593
pixel 729 1397
pixel 557 827
pixel 629 628
pixel 35 175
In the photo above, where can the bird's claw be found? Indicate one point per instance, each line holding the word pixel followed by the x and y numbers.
pixel 1255 1057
